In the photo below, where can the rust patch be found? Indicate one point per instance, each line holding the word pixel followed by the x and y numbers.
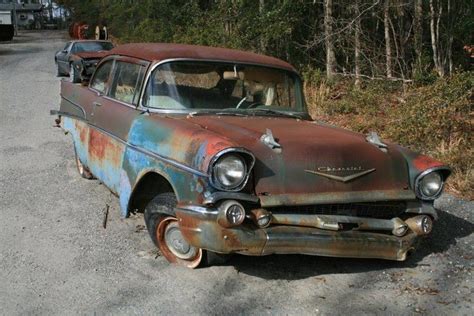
pixel 102 148
pixel 424 162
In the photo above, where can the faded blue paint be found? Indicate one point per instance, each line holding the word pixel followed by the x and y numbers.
pixel 133 164
pixel 107 172
pixel 124 193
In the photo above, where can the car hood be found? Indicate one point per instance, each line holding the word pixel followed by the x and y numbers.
pixel 91 55
pixel 311 155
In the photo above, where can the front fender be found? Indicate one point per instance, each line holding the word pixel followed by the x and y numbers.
pixel 418 164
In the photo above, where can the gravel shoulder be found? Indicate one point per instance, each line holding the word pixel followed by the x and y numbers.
pixel 56 258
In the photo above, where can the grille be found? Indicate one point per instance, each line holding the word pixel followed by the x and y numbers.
pixel 384 210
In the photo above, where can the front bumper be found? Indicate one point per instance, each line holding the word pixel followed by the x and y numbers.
pixel 200 228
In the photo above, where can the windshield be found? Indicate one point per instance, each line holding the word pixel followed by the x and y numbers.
pixel 91 47
pixel 198 86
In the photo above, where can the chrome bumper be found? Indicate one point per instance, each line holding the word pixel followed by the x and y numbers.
pixel 294 234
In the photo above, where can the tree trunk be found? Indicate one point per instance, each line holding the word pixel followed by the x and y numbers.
pixel 357 32
pixel 449 50
pixel 388 48
pixel 261 10
pixel 330 56
pixel 418 31
pixel 434 28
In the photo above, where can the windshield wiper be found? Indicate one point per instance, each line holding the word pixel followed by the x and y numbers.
pixel 276 112
pixel 221 112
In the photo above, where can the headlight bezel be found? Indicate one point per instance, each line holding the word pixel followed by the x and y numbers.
pixel 247 158
pixel 443 172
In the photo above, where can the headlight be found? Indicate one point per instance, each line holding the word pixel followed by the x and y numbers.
pixel 430 185
pixel 229 171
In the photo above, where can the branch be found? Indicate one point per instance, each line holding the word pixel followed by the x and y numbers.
pixel 375 78
pixel 349 25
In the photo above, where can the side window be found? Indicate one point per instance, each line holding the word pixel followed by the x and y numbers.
pixel 127 82
pixel 67 46
pixel 101 76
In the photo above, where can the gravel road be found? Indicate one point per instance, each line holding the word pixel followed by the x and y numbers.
pixel 56 258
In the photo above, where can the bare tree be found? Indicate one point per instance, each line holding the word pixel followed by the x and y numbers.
pixel 418 31
pixel 328 34
pixel 357 32
pixel 435 18
pixel 261 10
pixel 388 48
pixel 449 50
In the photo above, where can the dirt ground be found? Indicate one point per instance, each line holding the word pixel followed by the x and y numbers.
pixel 56 258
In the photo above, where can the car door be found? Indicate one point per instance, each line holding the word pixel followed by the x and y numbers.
pixel 112 117
pixel 63 58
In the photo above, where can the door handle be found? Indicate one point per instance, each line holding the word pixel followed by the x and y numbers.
pixel 96 104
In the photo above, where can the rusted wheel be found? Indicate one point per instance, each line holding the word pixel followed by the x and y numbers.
pixel 83 171
pixel 164 230
pixel 174 247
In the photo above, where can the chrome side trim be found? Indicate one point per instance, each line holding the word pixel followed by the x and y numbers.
pixel 139 149
pixel 170 161
pixel 75 104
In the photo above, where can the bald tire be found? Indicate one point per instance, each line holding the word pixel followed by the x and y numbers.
pixel 163 206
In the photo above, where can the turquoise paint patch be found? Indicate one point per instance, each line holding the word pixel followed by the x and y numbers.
pixel 125 193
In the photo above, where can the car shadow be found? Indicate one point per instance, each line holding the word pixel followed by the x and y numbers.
pixel 294 267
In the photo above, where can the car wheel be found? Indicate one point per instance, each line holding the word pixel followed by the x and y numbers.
pixel 165 232
pixel 83 170
pixel 73 74
pixel 59 72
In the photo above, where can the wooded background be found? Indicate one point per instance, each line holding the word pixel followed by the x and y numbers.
pixel 400 67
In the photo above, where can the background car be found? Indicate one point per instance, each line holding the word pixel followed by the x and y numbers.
pixel 78 59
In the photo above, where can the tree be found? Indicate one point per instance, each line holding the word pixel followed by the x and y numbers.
pixel 388 48
pixel 357 48
pixel 435 18
pixel 328 35
pixel 418 31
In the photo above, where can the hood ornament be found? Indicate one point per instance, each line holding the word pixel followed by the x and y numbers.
pixel 270 141
pixel 374 139
pixel 339 178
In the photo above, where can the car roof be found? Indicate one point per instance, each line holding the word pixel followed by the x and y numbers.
pixel 155 52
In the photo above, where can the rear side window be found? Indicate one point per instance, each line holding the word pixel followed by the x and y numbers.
pixel 101 77
pixel 127 82
pixel 67 46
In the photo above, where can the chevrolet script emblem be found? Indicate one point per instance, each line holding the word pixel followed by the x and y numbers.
pixel 339 178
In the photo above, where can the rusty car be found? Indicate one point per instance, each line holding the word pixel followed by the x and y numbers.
pixel 218 150
pixel 79 58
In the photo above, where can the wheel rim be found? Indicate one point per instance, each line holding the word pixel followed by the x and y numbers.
pixel 71 73
pixel 174 247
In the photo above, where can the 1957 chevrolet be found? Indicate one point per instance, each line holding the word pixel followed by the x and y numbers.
pixel 217 149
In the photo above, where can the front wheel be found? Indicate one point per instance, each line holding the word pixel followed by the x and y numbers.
pixel 165 233
pixel 164 230
pixel 59 72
